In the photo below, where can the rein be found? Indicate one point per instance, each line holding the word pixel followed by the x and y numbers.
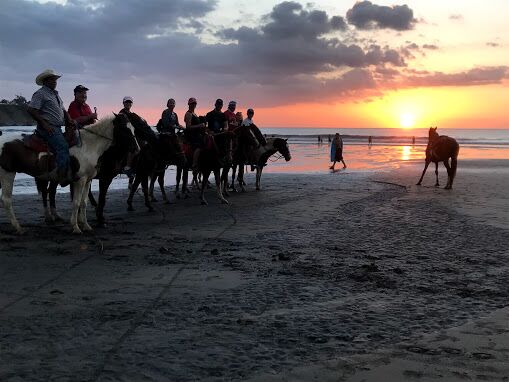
pixel 94 133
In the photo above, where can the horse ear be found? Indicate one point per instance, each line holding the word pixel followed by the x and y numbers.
pixel 115 114
pixel 286 140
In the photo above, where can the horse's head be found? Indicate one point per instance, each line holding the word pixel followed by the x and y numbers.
pixel 172 149
pixel 281 145
pixel 432 135
pixel 123 133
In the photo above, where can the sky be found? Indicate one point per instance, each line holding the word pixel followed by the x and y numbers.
pixel 341 63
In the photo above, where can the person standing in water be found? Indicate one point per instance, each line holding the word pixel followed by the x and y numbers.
pixel 336 151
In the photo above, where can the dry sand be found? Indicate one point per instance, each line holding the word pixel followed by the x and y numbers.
pixel 339 276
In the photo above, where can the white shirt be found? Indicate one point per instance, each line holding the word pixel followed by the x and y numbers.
pixel 247 122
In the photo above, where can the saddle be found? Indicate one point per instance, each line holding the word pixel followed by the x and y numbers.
pixel 36 143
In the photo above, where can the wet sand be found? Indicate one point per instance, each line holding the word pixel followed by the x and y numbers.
pixel 343 276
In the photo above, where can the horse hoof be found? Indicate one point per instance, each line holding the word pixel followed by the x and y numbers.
pixel 101 224
pixel 130 208
pixel 224 201
pixel 150 209
pixel 76 231
pixel 21 231
pixel 87 228
pixel 178 196
pixel 204 203
pixel 257 188
pixel 448 188
pixel 49 220
pixel 186 196
pixel 154 200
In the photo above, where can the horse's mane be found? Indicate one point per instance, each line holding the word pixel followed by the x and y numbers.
pixel 101 126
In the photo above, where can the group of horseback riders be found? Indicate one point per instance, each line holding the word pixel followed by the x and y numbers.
pixel 47 108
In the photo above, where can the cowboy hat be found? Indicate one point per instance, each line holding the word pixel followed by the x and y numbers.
pixel 46 74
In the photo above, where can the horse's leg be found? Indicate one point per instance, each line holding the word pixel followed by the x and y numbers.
pixel 436 173
pixel 224 180
pixel 78 190
pixel 234 172
pixel 42 187
pixel 240 178
pixel 177 181
pixel 160 179
pixel 423 171
pixel 52 191
pixel 83 208
pixel 203 185
pixel 91 198
pixel 151 187
pixel 448 186
pixel 104 184
pixel 144 187
pixel 185 181
pixel 133 189
pixel 218 179
pixel 454 167
pixel 259 170
pixel 7 183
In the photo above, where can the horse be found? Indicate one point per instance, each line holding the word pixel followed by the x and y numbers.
pixel 179 160
pixel 440 148
pixel 216 155
pixel 110 164
pixel 152 158
pixel 259 157
pixel 95 140
pixel 244 141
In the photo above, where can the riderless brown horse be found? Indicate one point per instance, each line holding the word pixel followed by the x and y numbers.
pixel 440 148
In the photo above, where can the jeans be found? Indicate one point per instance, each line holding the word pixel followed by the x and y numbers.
pixel 58 145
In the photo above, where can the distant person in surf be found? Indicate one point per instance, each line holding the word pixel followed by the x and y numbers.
pixel 413 141
pixel 336 151
pixel 370 140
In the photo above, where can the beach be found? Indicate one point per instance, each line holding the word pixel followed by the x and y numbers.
pixel 359 276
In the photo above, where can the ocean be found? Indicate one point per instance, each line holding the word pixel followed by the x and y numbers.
pixel 390 149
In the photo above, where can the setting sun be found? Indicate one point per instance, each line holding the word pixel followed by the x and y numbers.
pixel 407 120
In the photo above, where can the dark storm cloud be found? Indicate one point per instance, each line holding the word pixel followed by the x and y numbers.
pixel 366 15
pixel 430 47
pixel 456 17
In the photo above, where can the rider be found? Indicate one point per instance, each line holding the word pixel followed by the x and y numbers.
pixel 259 138
pixel 194 130
pixel 79 110
pixel 216 120
pixel 143 132
pixel 169 119
pixel 47 108
pixel 230 116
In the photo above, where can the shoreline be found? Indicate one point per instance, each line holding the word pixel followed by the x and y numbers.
pixel 312 269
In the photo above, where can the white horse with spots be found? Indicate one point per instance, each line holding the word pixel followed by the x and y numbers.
pixel 95 140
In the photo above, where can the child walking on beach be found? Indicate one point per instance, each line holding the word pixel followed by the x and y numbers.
pixel 336 151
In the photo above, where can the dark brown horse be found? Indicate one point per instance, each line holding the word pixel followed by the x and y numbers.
pixel 440 148
pixel 215 156
pixel 260 156
pixel 151 159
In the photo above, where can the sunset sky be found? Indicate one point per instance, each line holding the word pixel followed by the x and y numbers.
pixel 326 63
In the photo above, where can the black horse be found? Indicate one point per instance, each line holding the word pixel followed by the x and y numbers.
pixel 153 159
pixel 215 156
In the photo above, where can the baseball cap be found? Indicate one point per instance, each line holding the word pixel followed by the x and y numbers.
pixel 191 100
pixel 127 99
pixel 80 88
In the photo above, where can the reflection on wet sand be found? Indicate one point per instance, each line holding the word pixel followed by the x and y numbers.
pixel 314 158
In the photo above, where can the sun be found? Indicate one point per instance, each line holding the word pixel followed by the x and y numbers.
pixel 407 120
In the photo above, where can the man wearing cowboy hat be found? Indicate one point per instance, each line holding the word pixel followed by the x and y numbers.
pixel 47 108
pixel 79 110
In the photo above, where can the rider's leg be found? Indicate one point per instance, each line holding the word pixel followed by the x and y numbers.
pixel 60 148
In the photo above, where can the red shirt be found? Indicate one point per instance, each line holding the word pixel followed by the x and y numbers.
pixel 232 121
pixel 77 109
